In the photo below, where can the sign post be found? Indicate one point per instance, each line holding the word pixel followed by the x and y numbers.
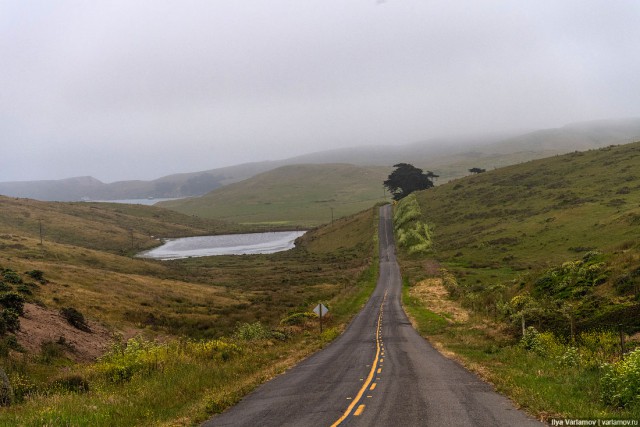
pixel 321 311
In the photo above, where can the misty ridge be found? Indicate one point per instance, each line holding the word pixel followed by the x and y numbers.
pixel 451 158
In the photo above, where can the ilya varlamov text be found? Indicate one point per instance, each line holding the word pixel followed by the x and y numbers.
pixel 592 422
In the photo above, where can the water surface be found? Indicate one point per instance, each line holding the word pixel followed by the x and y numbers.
pixel 228 244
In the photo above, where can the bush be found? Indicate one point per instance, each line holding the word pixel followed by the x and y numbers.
pixel 22 387
pixel 531 341
pixel 75 318
pixel 299 318
pixel 4 287
pixel 123 361
pixel 252 331
pixel 12 300
pixel 9 321
pixel 9 342
pixel 570 357
pixel 11 276
pixel 37 275
pixel 621 381
pixel 598 347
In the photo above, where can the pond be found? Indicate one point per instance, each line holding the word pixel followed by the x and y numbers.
pixel 228 244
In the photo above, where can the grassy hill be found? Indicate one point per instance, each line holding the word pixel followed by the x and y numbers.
pixel 208 329
pixel 552 244
pixel 517 222
pixel 112 227
pixel 291 196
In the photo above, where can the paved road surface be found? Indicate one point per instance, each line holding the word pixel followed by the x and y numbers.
pixel 380 372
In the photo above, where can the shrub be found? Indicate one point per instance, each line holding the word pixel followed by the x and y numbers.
pixel 5 287
pixel 550 344
pixel 24 289
pixel 598 347
pixel 9 342
pixel 621 381
pixel 75 318
pixel 213 349
pixel 9 320
pixel 37 275
pixel 11 276
pixel 22 387
pixel 570 358
pixel 298 318
pixel 252 331
pixel 531 341
pixel 12 300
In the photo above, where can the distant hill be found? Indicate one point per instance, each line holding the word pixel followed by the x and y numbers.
pixel 450 158
pixel 296 195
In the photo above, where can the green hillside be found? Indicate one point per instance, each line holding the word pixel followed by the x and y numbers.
pixel 550 247
pixel 517 222
pixel 298 195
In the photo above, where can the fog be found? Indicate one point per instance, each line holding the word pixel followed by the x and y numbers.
pixel 140 89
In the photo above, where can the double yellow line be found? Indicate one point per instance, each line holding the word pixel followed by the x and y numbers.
pixel 374 367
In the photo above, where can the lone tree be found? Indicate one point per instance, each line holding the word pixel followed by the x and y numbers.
pixel 477 170
pixel 406 179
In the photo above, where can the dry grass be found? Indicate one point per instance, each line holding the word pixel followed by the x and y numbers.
pixel 433 295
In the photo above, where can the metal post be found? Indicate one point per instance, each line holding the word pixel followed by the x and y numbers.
pixel 320 317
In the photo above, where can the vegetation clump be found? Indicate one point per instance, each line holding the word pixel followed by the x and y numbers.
pixel 621 381
pixel 11 276
pixel 37 275
pixel 411 233
pixel 75 318
pixel 296 319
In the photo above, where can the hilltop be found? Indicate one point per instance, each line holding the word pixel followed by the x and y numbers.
pixel 450 157
pixel 291 196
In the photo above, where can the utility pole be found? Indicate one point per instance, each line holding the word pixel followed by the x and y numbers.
pixel 331 215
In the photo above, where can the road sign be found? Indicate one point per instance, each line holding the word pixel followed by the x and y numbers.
pixel 321 311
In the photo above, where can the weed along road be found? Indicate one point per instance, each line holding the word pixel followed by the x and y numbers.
pixel 380 372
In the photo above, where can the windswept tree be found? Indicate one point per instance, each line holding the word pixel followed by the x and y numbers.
pixel 477 170
pixel 406 179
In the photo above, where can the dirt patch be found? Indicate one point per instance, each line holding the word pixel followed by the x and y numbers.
pixel 432 293
pixel 40 325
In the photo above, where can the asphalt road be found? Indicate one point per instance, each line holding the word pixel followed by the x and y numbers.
pixel 380 372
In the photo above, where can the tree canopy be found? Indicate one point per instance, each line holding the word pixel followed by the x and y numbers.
pixel 477 170
pixel 406 179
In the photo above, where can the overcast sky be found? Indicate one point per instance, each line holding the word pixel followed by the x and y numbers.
pixel 140 89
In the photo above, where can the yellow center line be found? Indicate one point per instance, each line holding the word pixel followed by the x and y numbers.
pixel 373 386
pixel 366 384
